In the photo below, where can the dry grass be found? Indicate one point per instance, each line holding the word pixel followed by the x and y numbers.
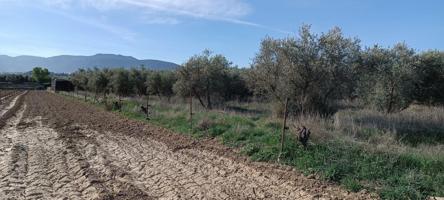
pixel 416 130
pixel 417 118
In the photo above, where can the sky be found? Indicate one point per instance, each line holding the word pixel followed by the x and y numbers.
pixel 174 30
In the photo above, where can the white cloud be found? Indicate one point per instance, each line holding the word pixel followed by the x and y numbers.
pixel 207 9
pixel 58 3
pixel 167 11
pixel 220 10
pixel 159 20
pixel 119 31
pixel 196 8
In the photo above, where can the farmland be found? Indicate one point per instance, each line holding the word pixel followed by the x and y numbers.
pixel 353 148
pixel 368 119
pixel 221 99
pixel 313 116
pixel 53 147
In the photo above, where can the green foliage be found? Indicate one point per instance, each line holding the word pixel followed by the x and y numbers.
pixel 103 82
pixel 40 75
pixel 313 71
pixel 235 85
pixel 208 78
pixel 15 78
pixel 122 83
pixel 168 80
pixel 80 79
pixel 316 71
pixel 155 84
pixel 162 83
pixel 429 78
pixel 388 83
pixel 140 78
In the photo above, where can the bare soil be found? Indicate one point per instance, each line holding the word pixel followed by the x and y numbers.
pixel 57 148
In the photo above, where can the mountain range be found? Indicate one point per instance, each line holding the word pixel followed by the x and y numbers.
pixel 69 63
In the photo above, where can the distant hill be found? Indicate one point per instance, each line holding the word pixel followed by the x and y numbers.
pixel 67 63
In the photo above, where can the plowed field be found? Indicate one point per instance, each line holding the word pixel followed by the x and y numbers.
pixel 52 147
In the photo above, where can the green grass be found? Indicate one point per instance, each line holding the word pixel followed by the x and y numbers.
pixel 391 175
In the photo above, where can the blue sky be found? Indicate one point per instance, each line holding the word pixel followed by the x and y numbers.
pixel 174 30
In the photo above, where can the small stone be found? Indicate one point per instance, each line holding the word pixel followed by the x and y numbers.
pixel 311 176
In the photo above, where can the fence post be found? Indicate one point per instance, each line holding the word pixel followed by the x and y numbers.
pixel 191 112
pixel 147 106
pixel 284 127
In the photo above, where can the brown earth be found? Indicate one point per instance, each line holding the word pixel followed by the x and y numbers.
pixel 59 148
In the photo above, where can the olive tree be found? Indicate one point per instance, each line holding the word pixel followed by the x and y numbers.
pixel 389 83
pixel 80 80
pixel 429 78
pixel 103 82
pixel 269 75
pixel 121 83
pixel 340 60
pixel 99 82
pixel 140 77
pixel 168 79
pixel 202 76
pixel 155 84
pixel 311 71
pixel 235 85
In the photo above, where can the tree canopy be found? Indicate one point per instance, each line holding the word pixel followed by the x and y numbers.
pixel 40 75
pixel 315 72
pixel 311 71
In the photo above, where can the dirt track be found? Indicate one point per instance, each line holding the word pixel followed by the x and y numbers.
pixel 54 148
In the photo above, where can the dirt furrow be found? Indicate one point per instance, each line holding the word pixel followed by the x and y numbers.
pixel 194 174
pixel 6 107
pixel 6 95
pixel 10 109
pixel 42 164
pixel 14 159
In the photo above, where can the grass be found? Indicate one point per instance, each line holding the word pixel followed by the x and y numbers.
pixel 416 125
pixel 360 149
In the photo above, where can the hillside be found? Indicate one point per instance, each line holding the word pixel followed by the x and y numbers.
pixel 68 63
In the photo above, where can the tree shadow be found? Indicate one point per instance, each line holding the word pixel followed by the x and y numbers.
pixel 241 110
pixel 412 131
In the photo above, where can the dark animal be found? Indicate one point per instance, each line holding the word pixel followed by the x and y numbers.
pixel 304 135
pixel 146 111
pixel 117 106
